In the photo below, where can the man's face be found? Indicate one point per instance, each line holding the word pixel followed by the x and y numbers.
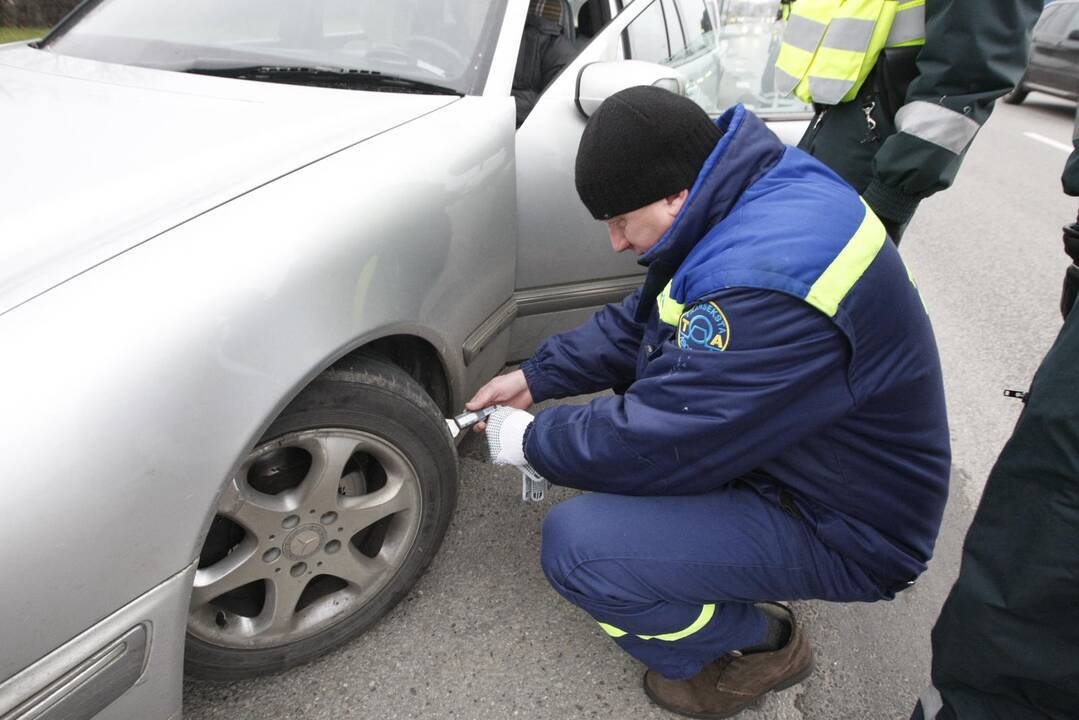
pixel 640 229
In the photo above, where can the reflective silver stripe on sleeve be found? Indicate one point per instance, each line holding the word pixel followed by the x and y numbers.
pixel 909 25
pixel 936 124
pixel 849 34
pixel 828 91
pixel 803 33
pixel 785 82
pixel 932 703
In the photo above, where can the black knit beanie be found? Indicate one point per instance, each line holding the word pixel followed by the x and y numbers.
pixel 641 145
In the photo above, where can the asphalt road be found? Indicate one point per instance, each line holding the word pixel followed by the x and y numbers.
pixel 483 636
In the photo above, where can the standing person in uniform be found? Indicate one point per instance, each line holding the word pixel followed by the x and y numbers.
pixel 781 431
pixel 1006 644
pixel 545 52
pixel 901 88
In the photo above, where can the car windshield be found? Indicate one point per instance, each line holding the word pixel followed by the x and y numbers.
pixel 436 43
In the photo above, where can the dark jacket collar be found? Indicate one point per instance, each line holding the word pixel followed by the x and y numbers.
pixel 747 150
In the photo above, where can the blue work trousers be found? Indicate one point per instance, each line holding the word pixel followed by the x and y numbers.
pixel 673 579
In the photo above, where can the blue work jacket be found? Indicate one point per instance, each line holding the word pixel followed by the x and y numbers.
pixel 778 340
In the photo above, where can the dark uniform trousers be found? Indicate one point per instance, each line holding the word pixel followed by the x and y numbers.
pixel 673 579
pixel 1006 645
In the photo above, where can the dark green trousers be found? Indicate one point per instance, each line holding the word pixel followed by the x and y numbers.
pixel 1006 644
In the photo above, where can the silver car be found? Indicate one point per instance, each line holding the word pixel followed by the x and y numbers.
pixel 251 253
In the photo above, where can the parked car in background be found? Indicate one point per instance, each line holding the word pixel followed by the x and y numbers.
pixel 1054 54
pixel 251 253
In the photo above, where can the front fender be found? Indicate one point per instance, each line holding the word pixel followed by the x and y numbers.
pixel 133 390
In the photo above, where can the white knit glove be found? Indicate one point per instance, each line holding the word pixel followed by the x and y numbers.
pixel 506 434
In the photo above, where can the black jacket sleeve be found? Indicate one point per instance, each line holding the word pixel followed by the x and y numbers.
pixel 544 53
pixel 1070 179
pixel 974 52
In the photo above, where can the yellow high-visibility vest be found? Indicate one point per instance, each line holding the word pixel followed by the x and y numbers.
pixel 830 46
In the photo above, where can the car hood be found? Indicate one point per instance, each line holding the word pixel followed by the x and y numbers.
pixel 97 157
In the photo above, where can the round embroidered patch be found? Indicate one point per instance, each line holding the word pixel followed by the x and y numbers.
pixel 704 327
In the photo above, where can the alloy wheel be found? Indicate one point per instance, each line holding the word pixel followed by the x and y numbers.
pixel 314 524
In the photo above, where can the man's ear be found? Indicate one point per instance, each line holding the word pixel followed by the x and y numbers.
pixel 675 202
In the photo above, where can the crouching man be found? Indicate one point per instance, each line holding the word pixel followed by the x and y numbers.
pixel 779 431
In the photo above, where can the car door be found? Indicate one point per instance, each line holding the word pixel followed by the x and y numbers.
pixel 696 50
pixel 565 265
pixel 1068 54
pixel 1048 63
pixel 1040 41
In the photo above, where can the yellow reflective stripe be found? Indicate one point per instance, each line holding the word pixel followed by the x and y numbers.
pixel 851 263
pixel 846 33
pixel 908 43
pixel 791 66
pixel 916 288
pixel 937 124
pixel 884 19
pixel 670 311
pixel 908 28
pixel 806 26
pixel 857 31
pixel 819 10
pixel 804 33
pixel 612 630
pixel 707 612
pixel 785 82
pixel 840 67
pixel 829 90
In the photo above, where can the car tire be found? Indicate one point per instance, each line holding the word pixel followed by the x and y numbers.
pixel 404 458
pixel 1017 95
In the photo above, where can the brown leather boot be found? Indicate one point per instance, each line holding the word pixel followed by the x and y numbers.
pixel 728 685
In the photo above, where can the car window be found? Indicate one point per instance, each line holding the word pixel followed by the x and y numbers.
pixel 697 22
pixel 444 43
pixel 724 58
pixel 646 36
pixel 590 16
pixel 676 38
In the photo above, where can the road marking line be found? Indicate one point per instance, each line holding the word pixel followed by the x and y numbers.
pixel 1049 142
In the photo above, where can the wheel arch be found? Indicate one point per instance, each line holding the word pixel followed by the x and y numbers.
pixel 359 384
pixel 410 348
pixel 415 355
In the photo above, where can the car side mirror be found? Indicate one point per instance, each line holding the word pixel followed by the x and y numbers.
pixel 599 80
pixel 1073 35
